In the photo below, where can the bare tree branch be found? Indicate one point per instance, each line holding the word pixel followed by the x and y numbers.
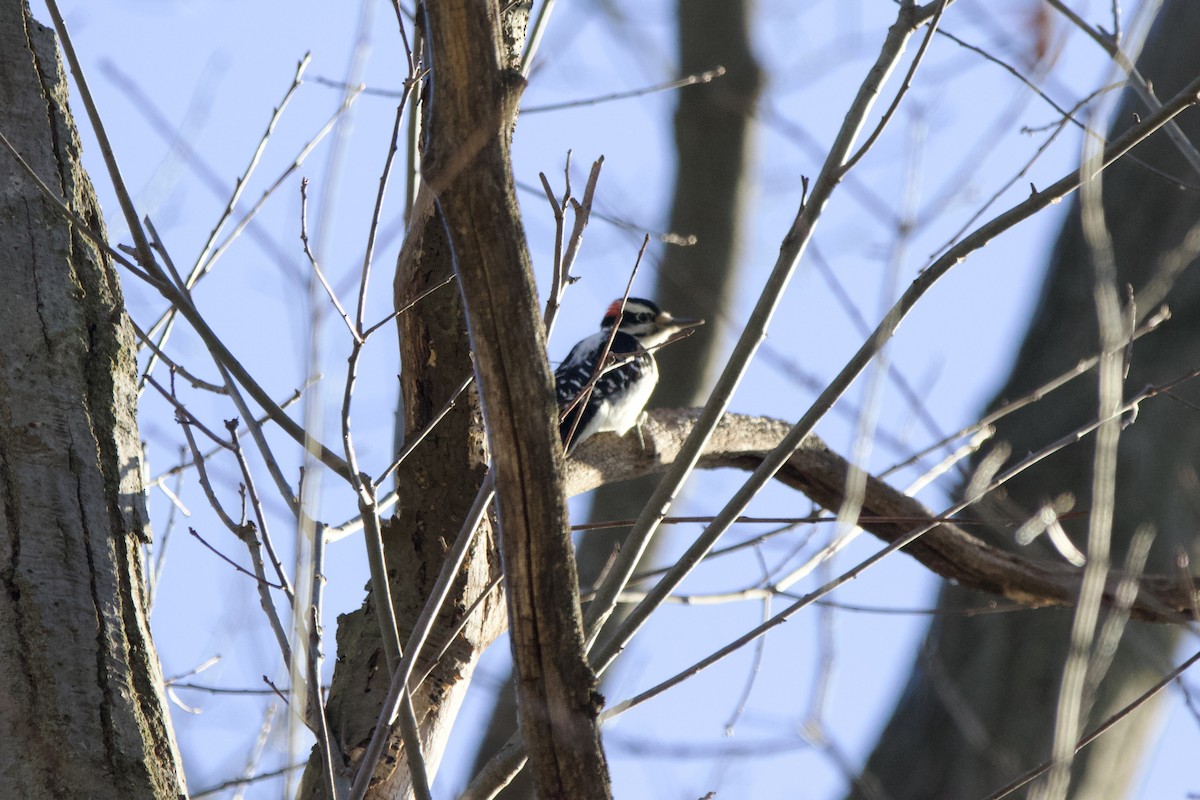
pixel 468 165
pixel 946 549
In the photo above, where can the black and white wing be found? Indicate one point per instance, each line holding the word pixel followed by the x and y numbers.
pixel 619 396
pixel 569 380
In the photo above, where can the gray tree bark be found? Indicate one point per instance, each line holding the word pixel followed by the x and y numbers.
pixel 980 703
pixel 81 701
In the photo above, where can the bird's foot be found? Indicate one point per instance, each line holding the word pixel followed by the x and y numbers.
pixel 638 427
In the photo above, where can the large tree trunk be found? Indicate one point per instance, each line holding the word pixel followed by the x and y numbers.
pixel 980 703
pixel 81 702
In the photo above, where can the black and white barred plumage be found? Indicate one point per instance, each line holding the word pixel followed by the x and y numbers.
pixel 619 397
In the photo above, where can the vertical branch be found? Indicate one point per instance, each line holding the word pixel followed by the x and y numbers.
pixel 563 261
pixel 1069 717
pixel 468 165
pixel 316 706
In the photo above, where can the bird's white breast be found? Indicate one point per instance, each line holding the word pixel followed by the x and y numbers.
pixel 620 419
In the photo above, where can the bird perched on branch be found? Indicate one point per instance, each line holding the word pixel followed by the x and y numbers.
pixel 607 378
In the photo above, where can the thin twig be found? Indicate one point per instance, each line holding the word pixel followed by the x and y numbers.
pixel 708 76
pixel 167 317
pixel 395 314
pixel 124 199
pixel 316 267
pixel 410 443
pixel 231 562
pixel 225 690
pixel 1081 368
pixel 146 275
pixel 319 721
pixel 184 465
pixel 557 279
pixel 363 485
pixel 453 634
pixel 181 411
pixel 564 262
pixel 408 52
pixel 242 530
pixel 166 322
pixel 232 782
pixel 1140 85
pixel 302 155
pixel 384 176
pixel 757 662
pixel 256 505
pixel 159 548
pixel 663 237
pixel 230 367
pixel 905 85
pixel 1021 173
pixel 1100 729
pixel 243 179
pixel 175 366
pixel 583 213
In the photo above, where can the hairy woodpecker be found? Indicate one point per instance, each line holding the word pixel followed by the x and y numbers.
pixel 627 378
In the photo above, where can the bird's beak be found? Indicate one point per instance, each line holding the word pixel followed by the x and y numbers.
pixel 683 323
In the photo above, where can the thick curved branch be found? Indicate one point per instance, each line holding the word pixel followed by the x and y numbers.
pixel 742 442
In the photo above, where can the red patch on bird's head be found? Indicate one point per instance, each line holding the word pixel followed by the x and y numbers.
pixel 614 310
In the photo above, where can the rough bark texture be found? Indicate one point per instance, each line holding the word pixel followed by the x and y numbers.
pixel 980 703
pixel 468 164
pixel 437 485
pixel 81 704
pixel 713 134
